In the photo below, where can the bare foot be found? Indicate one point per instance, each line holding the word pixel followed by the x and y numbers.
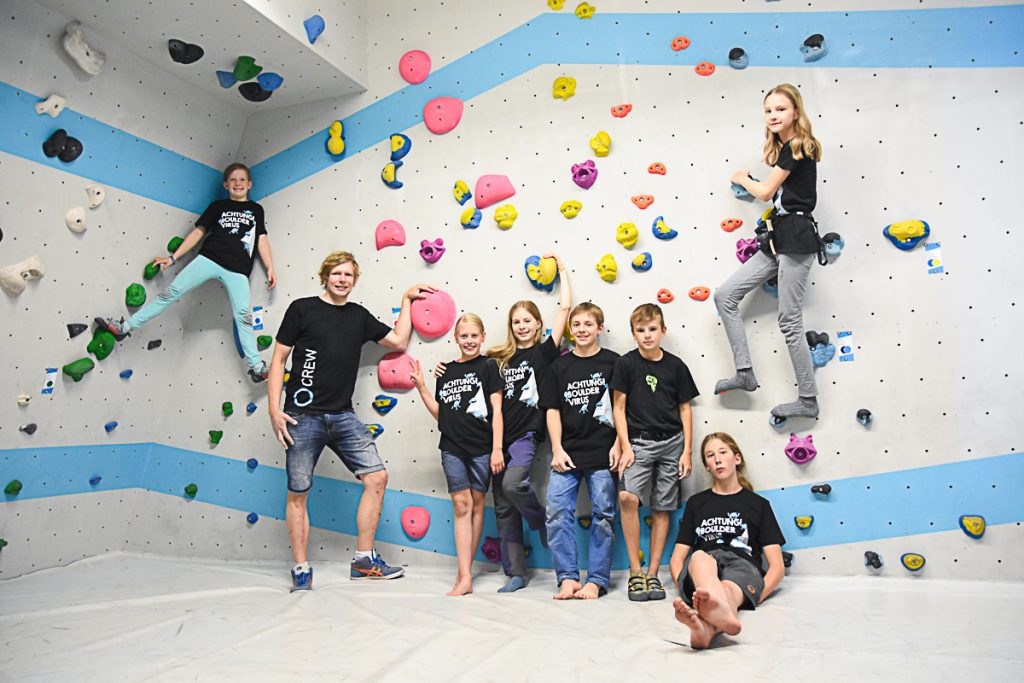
pixel 701 632
pixel 566 590
pixel 463 586
pixel 714 611
pixel 591 591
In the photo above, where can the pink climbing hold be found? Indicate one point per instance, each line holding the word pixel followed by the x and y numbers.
pixel 491 549
pixel 491 189
pixel 801 450
pixel 414 66
pixel 442 114
pixel 434 314
pixel 389 234
pixel 415 521
pixel 746 248
pixel 432 251
pixel 393 371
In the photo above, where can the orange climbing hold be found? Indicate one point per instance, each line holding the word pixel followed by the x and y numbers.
pixel 642 201
pixel 700 293
pixel 657 168
pixel 705 69
pixel 680 43
pixel 620 110
pixel 730 224
pixel 665 296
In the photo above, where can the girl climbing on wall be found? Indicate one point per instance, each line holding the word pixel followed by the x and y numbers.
pixel 717 559
pixel 235 232
pixel 786 251
pixel 467 406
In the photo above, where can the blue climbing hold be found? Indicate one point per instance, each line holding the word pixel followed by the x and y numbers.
pixel 384 403
pixel 251 463
pixel 110 426
pixel 740 192
pixel 814 48
pixel 93 481
pixel 661 230
pixel 375 429
pixel 833 244
pixel 314 27
pixel 906 235
pixel 643 262
pixel 776 421
pixel 400 146
pixel 125 374
pixel 250 408
pixel 226 79
pixel 269 80
pixel 471 218
pixel 252 518
pixel 864 416
pixel 822 354
pixel 738 58
pixel 771 289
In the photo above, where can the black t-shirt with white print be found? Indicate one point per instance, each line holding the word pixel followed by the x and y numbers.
pixel 520 407
pixel 654 391
pixel 326 340
pixel 580 390
pixel 464 413
pixel 742 523
pixel 232 230
pixel 798 193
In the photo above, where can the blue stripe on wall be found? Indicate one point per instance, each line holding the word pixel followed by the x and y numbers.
pixel 111 156
pixel 940 38
pixel 860 509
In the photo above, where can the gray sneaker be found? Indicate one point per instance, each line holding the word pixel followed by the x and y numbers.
pixel 373 568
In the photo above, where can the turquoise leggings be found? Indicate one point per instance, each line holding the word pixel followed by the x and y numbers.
pixel 191 276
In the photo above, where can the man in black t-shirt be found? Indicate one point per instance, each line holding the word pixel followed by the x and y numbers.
pixel 325 333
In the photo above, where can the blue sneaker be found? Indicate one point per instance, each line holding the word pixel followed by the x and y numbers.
pixel 373 568
pixel 302 581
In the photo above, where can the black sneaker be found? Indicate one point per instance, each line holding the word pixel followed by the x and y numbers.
pixel 638 587
pixel 259 373
pixel 115 327
pixel 655 591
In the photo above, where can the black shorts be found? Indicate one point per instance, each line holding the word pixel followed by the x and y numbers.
pixel 731 567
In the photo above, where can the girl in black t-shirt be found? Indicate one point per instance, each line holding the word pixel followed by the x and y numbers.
pixel 467 406
pixel 727 528
pixel 793 152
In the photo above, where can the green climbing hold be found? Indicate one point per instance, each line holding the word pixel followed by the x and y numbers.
pixel 3 543
pixel 173 245
pixel 191 490
pixel 227 409
pixel 134 295
pixel 216 435
pixel 102 344
pixel 150 271
pixel 13 487
pixel 264 341
pixel 246 68
pixel 77 370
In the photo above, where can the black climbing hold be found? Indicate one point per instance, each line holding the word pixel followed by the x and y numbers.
pixel 153 344
pixel 815 41
pixel 864 416
pixel 54 145
pixel 184 53
pixel 871 559
pixel 787 559
pixel 823 489
pixel 736 53
pixel 254 93
pixel 75 329
pixel 816 338
pixel 29 429
pixel 72 150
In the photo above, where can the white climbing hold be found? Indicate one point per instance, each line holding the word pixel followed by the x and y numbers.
pixel 89 59
pixel 96 193
pixel 52 106
pixel 75 218
pixel 14 276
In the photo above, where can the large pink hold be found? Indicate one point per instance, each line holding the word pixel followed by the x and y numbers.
pixel 389 234
pixel 434 314
pixel 415 521
pixel 801 450
pixel 393 371
pixel 491 189
pixel 414 66
pixel 442 114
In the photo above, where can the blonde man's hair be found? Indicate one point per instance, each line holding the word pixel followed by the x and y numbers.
pixel 333 260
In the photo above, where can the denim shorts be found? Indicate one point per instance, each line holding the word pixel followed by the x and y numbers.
pixel 466 471
pixel 343 433
pixel 731 567
pixel 654 475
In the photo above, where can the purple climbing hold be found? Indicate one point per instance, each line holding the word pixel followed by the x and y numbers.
pixel 801 450
pixel 314 27
pixel 584 174
pixel 491 549
pixel 745 248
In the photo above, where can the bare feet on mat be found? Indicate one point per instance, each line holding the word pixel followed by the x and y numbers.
pixel 714 610
pixel 567 589
pixel 591 591
pixel 701 632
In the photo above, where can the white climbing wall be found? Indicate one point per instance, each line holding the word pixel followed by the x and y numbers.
pixel 933 353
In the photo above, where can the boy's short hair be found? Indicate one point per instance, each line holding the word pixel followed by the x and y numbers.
pixel 236 167
pixel 335 259
pixel 646 312
pixel 590 308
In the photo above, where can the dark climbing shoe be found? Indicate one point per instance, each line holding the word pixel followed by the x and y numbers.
pixel 637 587
pixel 112 326
pixel 655 591
pixel 259 373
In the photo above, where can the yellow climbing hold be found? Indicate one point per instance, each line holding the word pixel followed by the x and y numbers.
pixel 571 208
pixel 804 522
pixel 607 268
pixel 904 230
pixel 585 10
pixel 556 4
pixel 335 145
pixel 912 561
pixel 505 216
pixel 627 235
pixel 564 87
pixel 973 525
pixel 601 144
pixel 461 191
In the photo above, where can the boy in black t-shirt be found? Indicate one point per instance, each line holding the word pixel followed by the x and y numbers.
pixel 576 395
pixel 235 232
pixel 324 335
pixel 722 535
pixel 653 389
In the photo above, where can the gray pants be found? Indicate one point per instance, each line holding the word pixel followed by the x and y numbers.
pixel 792 271
pixel 516 502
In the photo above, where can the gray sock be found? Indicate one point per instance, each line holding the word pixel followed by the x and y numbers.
pixel 804 406
pixel 744 379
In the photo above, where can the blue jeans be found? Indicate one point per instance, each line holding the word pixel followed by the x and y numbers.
pixel 191 276
pixel 562 492
pixel 343 433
